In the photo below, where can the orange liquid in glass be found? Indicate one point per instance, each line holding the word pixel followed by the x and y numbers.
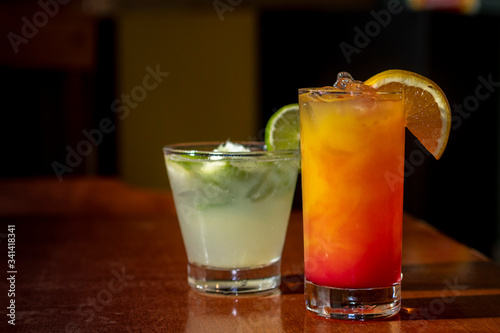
pixel 352 150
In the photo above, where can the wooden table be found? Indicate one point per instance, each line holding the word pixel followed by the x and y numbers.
pixel 95 255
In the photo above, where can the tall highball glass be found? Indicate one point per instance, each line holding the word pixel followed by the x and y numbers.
pixel 352 147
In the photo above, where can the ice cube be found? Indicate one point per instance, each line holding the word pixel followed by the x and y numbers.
pixel 263 187
pixel 210 168
pixel 344 80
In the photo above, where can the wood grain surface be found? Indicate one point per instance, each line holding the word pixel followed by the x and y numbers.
pixel 95 255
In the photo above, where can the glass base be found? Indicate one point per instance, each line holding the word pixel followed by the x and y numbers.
pixel 355 304
pixel 234 281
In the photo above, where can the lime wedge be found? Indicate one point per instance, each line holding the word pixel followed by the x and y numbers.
pixel 283 129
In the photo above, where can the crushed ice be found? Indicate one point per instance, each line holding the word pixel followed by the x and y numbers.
pixel 231 147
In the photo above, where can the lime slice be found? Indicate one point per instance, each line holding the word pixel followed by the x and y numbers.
pixel 283 129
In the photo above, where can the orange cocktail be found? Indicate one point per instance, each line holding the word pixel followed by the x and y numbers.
pixel 352 146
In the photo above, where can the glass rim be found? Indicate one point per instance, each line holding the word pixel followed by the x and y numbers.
pixel 333 90
pixel 205 149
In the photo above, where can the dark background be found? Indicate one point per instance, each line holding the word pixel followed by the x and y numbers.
pixel 459 193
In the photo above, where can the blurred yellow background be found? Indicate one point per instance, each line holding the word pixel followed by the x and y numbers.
pixel 210 93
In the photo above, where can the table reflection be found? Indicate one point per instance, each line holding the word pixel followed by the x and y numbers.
pixel 316 324
pixel 213 313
